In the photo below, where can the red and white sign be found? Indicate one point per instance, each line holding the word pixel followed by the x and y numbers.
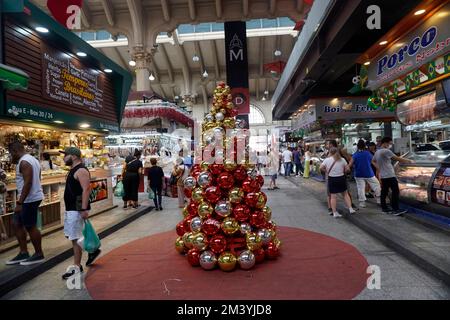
pixel 66 12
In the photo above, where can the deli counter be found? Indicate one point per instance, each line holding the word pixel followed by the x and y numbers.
pixel 425 184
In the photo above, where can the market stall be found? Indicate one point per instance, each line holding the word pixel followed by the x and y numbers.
pixel 65 94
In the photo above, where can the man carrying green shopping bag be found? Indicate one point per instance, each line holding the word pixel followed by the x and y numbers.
pixel 76 198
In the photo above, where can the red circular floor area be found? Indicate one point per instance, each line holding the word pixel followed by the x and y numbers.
pixel 312 266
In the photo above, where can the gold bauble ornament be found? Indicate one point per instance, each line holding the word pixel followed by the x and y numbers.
pixel 204 166
pixel 267 213
pixel 229 123
pixel 230 97
pixel 223 111
pixel 276 241
pixel 229 225
pixel 188 237
pixel 200 241
pixel 254 241
pixel 197 195
pixel 229 165
pixel 185 212
pixel 261 202
pixel 204 209
pixel 230 105
pixel 236 195
pixel 179 245
pixel 227 261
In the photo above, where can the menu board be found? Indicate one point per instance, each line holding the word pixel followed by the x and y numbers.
pixel 440 191
pixel 99 190
pixel 66 80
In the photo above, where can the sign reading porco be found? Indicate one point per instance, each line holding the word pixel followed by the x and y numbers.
pixel 421 46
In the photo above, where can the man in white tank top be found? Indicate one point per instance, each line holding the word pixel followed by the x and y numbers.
pixel 29 197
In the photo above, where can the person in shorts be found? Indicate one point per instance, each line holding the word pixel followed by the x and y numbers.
pixel 273 170
pixel 30 196
pixel 77 186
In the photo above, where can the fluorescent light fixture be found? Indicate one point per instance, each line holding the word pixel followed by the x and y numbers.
pixel 58 121
pixel 266 92
pixel 108 70
pixel 419 12
pixel 84 125
pixel 81 54
pixel 132 63
pixel 367 63
pixel 106 130
pixel 382 43
pixel 28 120
pixel 41 29
pixel 277 53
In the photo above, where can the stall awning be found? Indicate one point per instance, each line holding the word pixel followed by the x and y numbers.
pixel 13 78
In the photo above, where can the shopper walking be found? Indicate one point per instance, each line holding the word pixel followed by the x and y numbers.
pixel 30 196
pixel 131 180
pixel 297 156
pixel 156 182
pixel 273 169
pixel 287 160
pixel 181 171
pixel 76 200
pixel 362 163
pixel 335 168
pixel 382 160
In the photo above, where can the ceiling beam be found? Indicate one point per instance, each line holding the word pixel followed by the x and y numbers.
pixel 165 10
pixel 261 55
pixel 86 16
pixel 167 61
pixel 109 11
pixel 135 7
pixel 272 7
pixel 192 12
pixel 245 7
pixel 219 8
pixel 185 66
pixel 252 76
pixel 215 59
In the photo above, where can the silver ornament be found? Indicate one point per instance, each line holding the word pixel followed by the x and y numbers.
pixel 218 131
pixel 190 182
pixel 265 235
pixel 220 116
pixel 209 117
pixel 208 260
pixel 246 259
pixel 223 208
pixel 245 227
pixel 196 224
pixel 252 173
pixel 204 179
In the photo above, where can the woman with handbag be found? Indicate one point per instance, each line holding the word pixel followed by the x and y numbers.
pixel 336 168
pixel 131 180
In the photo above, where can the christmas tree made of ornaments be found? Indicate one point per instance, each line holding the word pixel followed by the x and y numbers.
pixel 226 221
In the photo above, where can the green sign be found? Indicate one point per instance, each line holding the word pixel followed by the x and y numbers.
pixel 12 6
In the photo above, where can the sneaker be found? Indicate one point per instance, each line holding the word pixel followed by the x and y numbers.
pixel 157 209
pixel 330 211
pixel 73 270
pixel 336 215
pixel 160 208
pixel 276 188
pixel 34 259
pixel 351 211
pixel 362 205
pixel 92 256
pixel 387 211
pixel 399 212
pixel 355 207
pixel 369 195
pixel 18 259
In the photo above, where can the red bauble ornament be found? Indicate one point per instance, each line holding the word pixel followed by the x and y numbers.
pixel 247 186
pixel 195 173
pixel 216 168
pixel 260 255
pixel 251 199
pixel 187 224
pixel 180 228
pixel 272 252
pixel 193 257
pixel 240 173
pixel 257 219
pixel 188 193
pixel 210 227
pixel 252 184
pixel 213 194
pixel 260 180
pixel 225 180
pixel 218 244
pixel 241 212
pixel 234 112
pixel 192 208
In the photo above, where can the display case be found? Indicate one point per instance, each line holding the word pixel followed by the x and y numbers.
pixel 440 188
pixel 415 179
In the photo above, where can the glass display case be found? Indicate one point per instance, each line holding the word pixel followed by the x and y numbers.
pixel 414 179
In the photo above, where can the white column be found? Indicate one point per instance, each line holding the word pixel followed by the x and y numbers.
pixel 143 60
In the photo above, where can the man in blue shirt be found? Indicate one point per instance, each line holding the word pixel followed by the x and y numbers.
pixel 362 160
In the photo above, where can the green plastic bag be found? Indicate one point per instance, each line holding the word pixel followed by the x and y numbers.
pixel 119 191
pixel 151 194
pixel 91 239
pixel 39 220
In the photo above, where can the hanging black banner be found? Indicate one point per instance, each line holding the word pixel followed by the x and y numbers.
pixel 237 64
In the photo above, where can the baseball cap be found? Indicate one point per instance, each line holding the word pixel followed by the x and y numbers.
pixel 72 151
